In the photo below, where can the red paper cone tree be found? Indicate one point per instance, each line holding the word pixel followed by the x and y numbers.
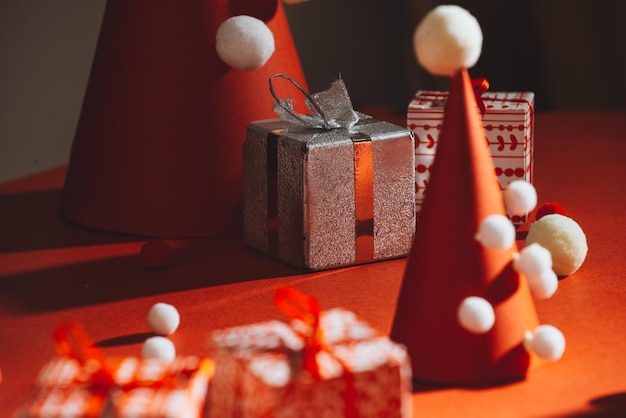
pixel 157 150
pixel 447 264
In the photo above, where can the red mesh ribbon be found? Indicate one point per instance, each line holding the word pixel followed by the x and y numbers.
pixel 480 86
pixel 71 340
pixel 298 305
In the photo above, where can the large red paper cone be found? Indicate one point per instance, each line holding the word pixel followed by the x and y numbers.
pixel 158 147
pixel 446 264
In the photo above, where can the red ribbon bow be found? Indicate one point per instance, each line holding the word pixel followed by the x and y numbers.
pixel 480 86
pixel 71 340
pixel 298 305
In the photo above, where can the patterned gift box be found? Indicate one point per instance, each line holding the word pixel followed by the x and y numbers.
pixel 508 124
pixel 144 388
pixel 261 371
pixel 319 199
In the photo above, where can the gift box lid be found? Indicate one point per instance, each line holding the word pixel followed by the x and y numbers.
pixel 311 138
pixel 494 101
pixel 338 325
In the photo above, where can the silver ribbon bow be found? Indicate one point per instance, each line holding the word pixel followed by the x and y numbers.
pixel 330 109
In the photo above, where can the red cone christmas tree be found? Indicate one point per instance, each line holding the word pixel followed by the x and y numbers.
pixel 447 264
pixel 464 311
pixel 157 150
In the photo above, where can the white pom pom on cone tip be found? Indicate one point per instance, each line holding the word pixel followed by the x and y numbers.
pixel 447 39
pixel 496 232
pixel 244 42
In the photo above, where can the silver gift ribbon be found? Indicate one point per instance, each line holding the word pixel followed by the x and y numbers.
pixel 330 109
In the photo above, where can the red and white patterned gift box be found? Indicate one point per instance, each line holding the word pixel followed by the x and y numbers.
pixel 508 123
pixel 261 371
pixel 143 388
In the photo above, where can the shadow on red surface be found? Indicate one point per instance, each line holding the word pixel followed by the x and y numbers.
pixel 129 339
pixel 31 221
pixel 121 275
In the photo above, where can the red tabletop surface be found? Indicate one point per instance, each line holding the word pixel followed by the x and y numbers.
pixel 51 270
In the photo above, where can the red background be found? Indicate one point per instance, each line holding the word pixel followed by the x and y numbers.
pixel 51 270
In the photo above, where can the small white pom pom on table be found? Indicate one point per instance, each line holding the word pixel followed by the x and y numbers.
pixel 244 42
pixel 447 39
pixel 158 347
pixel 163 319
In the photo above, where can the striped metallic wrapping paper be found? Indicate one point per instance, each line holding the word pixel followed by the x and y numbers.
pixel 319 199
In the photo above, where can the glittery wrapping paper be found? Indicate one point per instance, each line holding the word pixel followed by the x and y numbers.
pixel 315 192
pixel 509 129
pixel 63 389
pixel 259 371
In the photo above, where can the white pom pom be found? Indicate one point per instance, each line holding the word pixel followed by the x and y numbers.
pixel 496 231
pixel 244 42
pixel 476 315
pixel 547 342
pixel 533 260
pixel 158 347
pixel 163 319
pixel 543 285
pixel 447 39
pixel 565 240
pixel 520 197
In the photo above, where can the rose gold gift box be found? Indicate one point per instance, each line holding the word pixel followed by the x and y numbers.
pixel 261 372
pixel 147 388
pixel 318 199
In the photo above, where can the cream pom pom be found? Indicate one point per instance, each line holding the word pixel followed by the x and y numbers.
pixel 163 319
pixel 158 347
pixel 533 260
pixel 244 42
pixel 520 197
pixel 565 240
pixel 547 342
pixel 476 315
pixel 496 231
pixel 447 39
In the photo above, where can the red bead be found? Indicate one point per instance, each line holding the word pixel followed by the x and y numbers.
pixel 155 254
pixel 549 208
